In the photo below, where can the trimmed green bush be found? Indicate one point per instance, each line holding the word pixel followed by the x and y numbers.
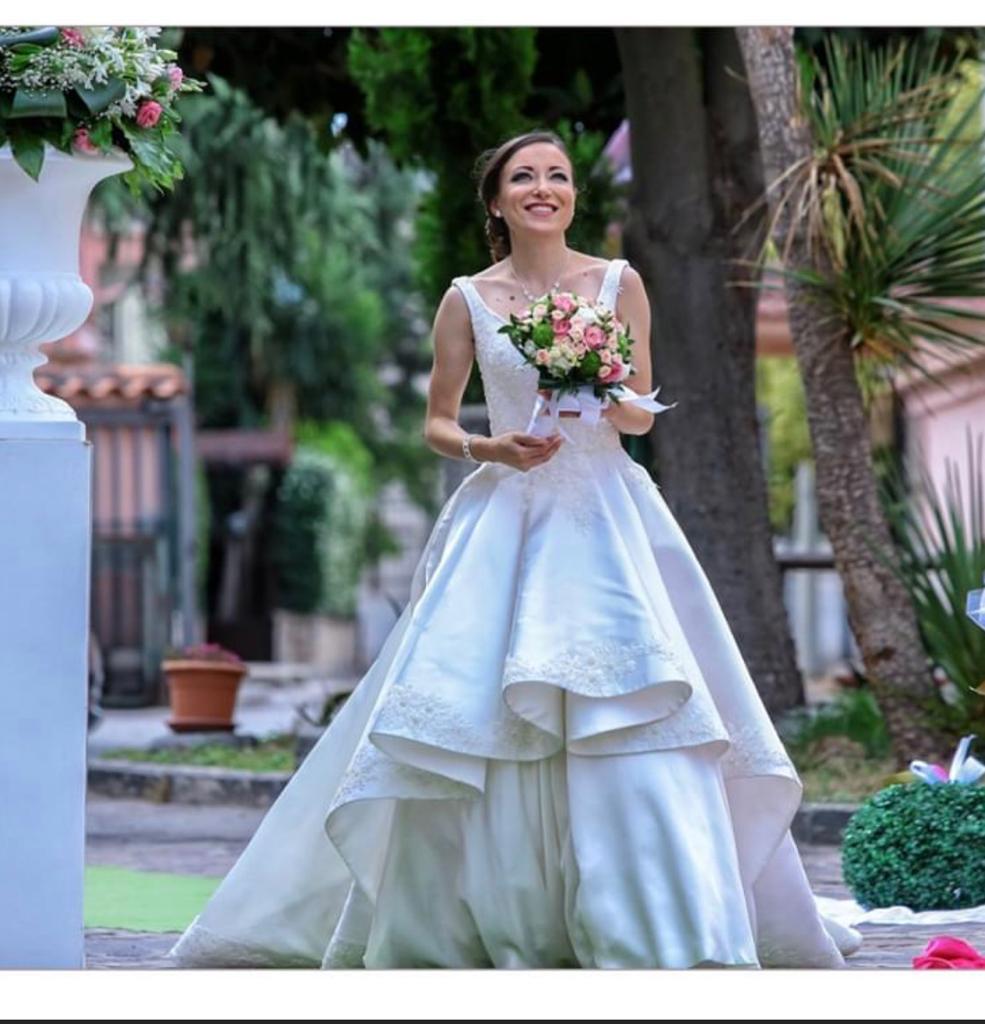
pixel 324 504
pixel 917 845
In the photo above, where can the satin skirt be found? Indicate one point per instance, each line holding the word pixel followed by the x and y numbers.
pixel 558 759
pixel 639 871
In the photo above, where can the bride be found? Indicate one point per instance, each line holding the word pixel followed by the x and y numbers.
pixel 558 758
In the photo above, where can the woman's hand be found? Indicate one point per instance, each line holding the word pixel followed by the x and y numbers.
pixel 523 451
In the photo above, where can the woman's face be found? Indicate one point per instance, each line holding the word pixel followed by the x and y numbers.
pixel 536 190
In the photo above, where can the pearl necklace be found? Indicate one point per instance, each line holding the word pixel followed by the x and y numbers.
pixel 554 287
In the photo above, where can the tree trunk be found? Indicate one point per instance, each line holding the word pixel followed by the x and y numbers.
pixel 696 165
pixel 880 611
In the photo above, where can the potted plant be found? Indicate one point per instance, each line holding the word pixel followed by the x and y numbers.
pixel 76 105
pixel 203 681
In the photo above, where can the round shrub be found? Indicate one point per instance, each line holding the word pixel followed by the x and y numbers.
pixel 917 845
pixel 320 534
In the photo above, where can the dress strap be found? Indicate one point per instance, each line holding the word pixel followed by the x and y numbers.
pixel 609 292
pixel 472 298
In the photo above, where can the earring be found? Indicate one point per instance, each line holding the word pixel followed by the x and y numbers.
pixel 497 213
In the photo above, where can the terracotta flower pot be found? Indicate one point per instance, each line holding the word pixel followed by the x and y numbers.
pixel 202 694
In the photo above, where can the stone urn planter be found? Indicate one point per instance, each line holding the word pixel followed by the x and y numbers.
pixel 203 682
pixel 42 296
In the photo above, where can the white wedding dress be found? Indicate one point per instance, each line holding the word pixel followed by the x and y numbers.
pixel 558 758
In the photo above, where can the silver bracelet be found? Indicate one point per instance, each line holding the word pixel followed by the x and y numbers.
pixel 467 447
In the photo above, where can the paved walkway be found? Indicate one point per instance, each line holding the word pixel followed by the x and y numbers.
pixel 207 840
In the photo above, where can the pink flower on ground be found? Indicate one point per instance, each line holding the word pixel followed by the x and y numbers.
pixel 73 37
pixel 176 76
pixel 948 953
pixel 149 113
pixel 82 142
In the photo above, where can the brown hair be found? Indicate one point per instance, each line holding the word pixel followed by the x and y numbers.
pixel 488 168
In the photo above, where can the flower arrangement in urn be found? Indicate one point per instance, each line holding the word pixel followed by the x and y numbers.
pixel 89 91
pixel 203 680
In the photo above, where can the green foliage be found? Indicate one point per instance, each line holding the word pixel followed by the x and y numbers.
pixel 273 753
pixel 320 536
pixel 917 845
pixel 780 389
pixel 289 275
pixel 854 714
pixel 892 194
pixel 940 542
pixel 440 97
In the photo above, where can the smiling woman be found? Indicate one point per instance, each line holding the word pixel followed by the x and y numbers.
pixel 510 786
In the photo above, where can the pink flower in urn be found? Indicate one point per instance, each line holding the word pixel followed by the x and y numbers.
pixel 176 77
pixel 73 37
pixel 149 113
pixel 82 142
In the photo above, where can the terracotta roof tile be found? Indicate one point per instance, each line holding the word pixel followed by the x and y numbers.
pixel 97 382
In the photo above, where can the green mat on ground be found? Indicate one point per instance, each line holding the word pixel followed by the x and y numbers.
pixel 143 901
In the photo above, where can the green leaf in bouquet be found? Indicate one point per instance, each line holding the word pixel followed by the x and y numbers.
pixel 101 133
pixel 101 96
pixel 543 335
pixel 38 103
pixel 6 99
pixel 40 37
pixel 28 150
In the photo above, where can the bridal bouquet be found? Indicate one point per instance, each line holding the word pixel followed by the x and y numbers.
pixel 87 90
pixel 582 353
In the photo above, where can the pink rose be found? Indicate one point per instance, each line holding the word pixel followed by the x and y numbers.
pixel 623 370
pixel 149 113
pixel 176 76
pixel 82 142
pixel 542 357
pixel 562 328
pixel 947 952
pixel 564 303
pixel 73 37
pixel 594 336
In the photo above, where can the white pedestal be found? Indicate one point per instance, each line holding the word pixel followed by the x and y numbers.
pixel 45 553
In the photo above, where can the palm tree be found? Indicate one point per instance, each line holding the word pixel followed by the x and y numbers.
pixel 877 209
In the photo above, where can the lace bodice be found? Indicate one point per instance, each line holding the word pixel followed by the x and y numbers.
pixel 510 382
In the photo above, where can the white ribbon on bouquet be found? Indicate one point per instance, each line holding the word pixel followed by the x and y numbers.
pixel 588 405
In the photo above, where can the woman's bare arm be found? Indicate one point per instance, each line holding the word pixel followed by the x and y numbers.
pixel 454 352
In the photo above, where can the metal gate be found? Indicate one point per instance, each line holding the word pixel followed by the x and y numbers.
pixel 134 546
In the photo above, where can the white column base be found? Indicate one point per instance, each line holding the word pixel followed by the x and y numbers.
pixel 45 559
